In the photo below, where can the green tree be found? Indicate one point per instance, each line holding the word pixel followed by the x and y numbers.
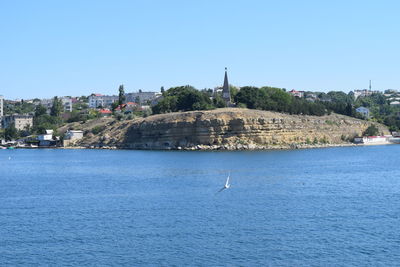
pixel 83 98
pixel 56 108
pixel 114 105
pixel 340 97
pixel 45 122
pixel 349 110
pixel 165 105
pixel 372 130
pixel 80 106
pixel 183 98
pixel 10 133
pixel 121 95
pixel 248 95
pixel 234 90
pixel 40 110
pixel 277 98
pixel 219 102
pixel 21 107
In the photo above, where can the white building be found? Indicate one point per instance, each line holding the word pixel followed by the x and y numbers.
pixel 363 93
pixel 395 103
pixel 311 97
pixel 20 122
pixel 370 140
pixel 299 94
pixel 65 100
pixel 98 100
pixel 142 97
pixel 48 136
pixel 73 135
pixel 48 103
pixel 390 91
pixel 47 139
pixel 67 104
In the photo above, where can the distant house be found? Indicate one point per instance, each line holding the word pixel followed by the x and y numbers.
pixel 99 100
pixel 120 108
pixel 396 134
pixel 364 111
pixel 364 92
pixel 299 94
pixel 130 106
pixel 158 99
pixel 67 103
pixel 105 112
pixel 65 100
pixel 372 139
pixel 145 107
pixel 142 97
pixel 390 91
pixel 20 122
pixel 311 97
pixel 73 135
pixel 395 103
pixel 46 139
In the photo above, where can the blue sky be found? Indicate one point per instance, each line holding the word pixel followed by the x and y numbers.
pixel 72 47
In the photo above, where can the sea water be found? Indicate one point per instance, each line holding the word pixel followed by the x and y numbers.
pixel 316 207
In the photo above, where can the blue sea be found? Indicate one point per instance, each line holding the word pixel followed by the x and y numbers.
pixel 316 207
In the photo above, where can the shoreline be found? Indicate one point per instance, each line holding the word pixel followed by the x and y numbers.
pixel 219 148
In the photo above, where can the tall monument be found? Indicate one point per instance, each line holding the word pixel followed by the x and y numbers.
pixel 226 92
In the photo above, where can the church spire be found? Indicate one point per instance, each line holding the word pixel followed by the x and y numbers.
pixel 226 94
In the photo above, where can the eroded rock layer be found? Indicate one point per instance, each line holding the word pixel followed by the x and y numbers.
pixel 233 128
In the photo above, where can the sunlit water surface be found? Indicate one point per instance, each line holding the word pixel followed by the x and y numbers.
pixel 318 207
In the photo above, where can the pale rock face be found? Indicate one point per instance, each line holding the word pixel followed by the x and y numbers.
pixel 240 129
pixel 227 128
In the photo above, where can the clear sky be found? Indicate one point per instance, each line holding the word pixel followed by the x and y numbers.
pixel 78 47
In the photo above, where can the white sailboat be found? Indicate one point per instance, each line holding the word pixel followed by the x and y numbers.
pixel 227 184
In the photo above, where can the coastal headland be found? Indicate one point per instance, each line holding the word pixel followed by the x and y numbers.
pixel 225 128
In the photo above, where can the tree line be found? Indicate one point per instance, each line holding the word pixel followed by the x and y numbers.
pixel 186 98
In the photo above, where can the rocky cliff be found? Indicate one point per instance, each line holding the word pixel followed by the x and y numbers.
pixel 228 128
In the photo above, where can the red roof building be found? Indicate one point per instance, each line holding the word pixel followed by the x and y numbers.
pixel 105 112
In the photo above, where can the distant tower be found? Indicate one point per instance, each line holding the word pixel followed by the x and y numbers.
pixel 226 93
pixel 370 85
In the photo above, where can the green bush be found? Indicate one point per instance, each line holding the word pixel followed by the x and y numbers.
pixel 98 129
pixel 183 98
pixel 119 116
pixel 372 130
pixel 324 140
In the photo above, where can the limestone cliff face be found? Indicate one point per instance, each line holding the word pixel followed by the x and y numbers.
pixel 234 128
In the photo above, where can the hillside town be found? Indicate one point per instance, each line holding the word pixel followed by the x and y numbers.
pixel 34 123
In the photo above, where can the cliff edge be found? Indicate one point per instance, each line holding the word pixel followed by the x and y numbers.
pixel 227 128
